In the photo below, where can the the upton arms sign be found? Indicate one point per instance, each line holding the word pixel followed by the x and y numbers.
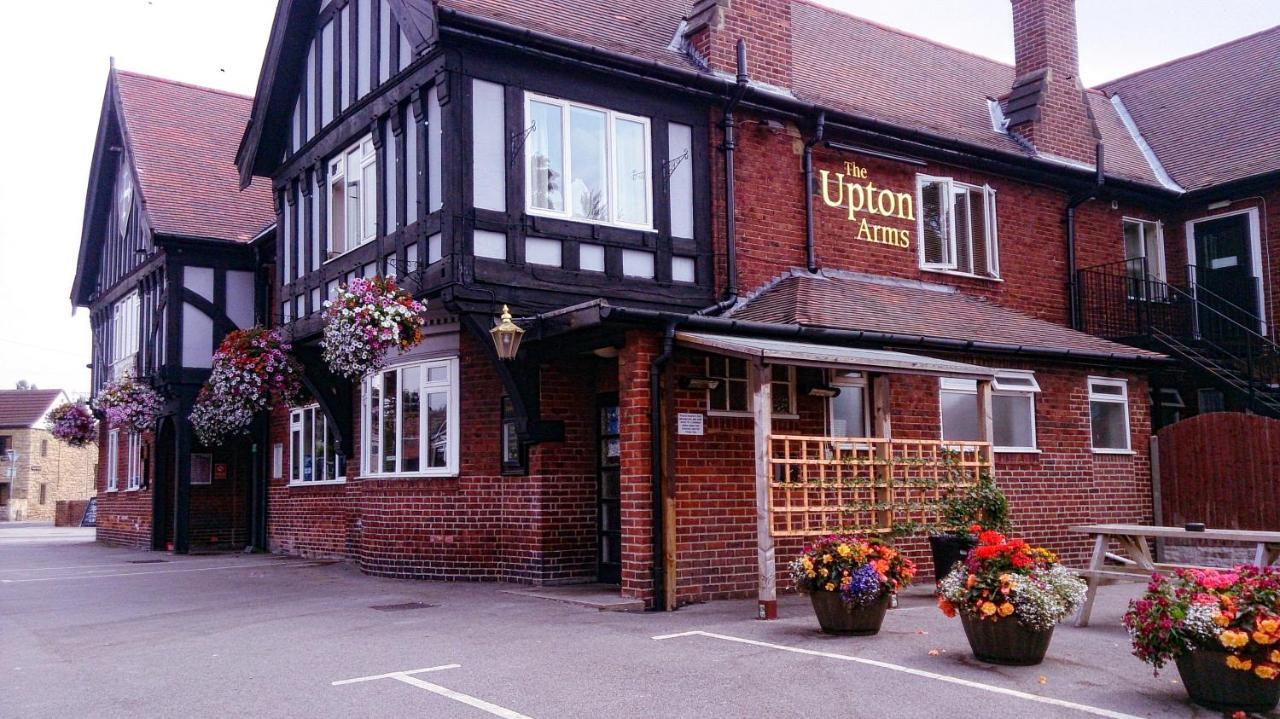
pixel 848 190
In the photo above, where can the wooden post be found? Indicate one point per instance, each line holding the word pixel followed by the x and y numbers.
pixel 762 408
pixel 667 444
pixel 881 403
pixel 986 423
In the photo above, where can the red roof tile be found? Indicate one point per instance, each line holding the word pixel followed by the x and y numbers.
pixel 1214 116
pixel 25 407
pixel 861 302
pixel 183 140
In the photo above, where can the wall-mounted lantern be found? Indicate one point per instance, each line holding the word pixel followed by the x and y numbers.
pixel 506 336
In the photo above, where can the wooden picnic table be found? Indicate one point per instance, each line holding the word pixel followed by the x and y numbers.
pixel 1132 540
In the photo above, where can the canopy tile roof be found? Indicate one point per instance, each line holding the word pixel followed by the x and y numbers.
pixel 183 141
pixel 849 301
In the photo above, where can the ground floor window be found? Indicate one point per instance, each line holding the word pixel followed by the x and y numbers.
pixel 1109 414
pixel 513 454
pixel 133 462
pixel 410 419
pixel 1013 410
pixel 313 450
pixel 732 391
pixel 113 460
pixel 848 409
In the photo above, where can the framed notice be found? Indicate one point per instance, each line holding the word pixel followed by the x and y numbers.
pixel 201 469
pixel 689 423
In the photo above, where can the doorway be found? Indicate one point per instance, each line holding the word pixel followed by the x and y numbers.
pixel 1227 267
pixel 163 476
pixel 608 489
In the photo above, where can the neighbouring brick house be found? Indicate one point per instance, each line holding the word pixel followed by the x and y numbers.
pixel 851 251
pixel 36 470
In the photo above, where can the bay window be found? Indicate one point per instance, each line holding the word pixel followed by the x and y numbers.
pixel 1109 415
pixel 587 163
pixel 313 450
pixel 410 418
pixel 957 227
pixel 353 197
pixel 1013 410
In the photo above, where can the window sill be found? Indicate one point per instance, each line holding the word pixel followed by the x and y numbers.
pixel 342 254
pixel 452 475
pixel 747 415
pixel 1120 452
pixel 1017 450
pixel 956 273
pixel 112 490
pixel 133 489
pixel 317 483
pixel 536 212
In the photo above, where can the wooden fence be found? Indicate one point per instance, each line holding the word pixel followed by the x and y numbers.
pixel 1222 469
pixel 825 484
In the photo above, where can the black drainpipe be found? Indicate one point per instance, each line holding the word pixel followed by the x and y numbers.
pixel 730 206
pixel 1073 284
pixel 656 367
pixel 810 253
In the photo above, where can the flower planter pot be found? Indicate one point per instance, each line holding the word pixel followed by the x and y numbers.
pixel 1211 683
pixel 948 549
pixel 1005 641
pixel 836 617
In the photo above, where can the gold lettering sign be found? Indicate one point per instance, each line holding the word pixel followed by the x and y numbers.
pixel 842 189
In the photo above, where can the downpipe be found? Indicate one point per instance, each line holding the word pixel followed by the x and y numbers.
pixel 730 204
pixel 1073 280
pixel 810 250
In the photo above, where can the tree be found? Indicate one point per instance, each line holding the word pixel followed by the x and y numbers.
pixel 23 384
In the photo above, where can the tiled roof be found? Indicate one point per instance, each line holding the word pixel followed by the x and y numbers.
pixel 847 301
pixel 183 140
pixel 25 407
pixel 1214 116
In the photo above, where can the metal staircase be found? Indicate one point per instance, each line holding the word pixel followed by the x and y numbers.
pixel 1214 339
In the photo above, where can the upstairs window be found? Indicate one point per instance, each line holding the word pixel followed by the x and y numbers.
pixel 124 197
pixel 957 227
pixel 587 163
pixel 124 335
pixel 353 197
pixel 1144 258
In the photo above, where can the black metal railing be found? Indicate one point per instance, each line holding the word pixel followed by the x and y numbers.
pixel 1123 301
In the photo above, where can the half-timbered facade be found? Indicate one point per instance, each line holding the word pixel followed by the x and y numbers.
pixel 168 265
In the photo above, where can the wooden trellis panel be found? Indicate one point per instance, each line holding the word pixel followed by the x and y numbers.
pixel 820 485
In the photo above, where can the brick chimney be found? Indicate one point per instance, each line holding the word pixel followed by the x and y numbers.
pixel 714 26
pixel 1047 104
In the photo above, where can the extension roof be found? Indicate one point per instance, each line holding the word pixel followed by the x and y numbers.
pixel 24 408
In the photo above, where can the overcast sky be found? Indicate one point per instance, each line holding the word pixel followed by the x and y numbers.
pixel 55 57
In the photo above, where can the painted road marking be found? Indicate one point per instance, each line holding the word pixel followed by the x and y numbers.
pixel 1096 711
pixel 254 565
pixel 408 678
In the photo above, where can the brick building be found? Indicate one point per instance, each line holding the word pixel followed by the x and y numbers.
pixel 36 470
pixel 751 244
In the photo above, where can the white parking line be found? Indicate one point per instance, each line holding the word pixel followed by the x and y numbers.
pixel 254 565
pixel 407 678
pixel 1096 711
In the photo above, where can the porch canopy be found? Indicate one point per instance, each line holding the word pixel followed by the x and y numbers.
pixel 806 484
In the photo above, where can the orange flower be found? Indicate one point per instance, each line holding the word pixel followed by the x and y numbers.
pixel 947 607
pixel 988 609
pixel 1266 671
pixel 1233 639
pixel 972 580
pixel 1274 656
pixel 1235 662
pixel 1264 638
pixel 1221 619
pixel 1006 609
pixel 1269 625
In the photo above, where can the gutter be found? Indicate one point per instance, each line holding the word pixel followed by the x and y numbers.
pixel 838 336
pixel 810 251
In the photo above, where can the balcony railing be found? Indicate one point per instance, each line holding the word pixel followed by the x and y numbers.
pixel 865 485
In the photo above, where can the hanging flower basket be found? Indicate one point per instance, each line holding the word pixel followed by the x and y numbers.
pixel 366 319
pixel 850 581
pixel 129 404
pixel 252 372
pixel 1009 597
pixel 73 423
pixel 1220 628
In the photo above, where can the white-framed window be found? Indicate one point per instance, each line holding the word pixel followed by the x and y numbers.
pixel 113 460
pixel 313 450
pixel 1013 410
pixel 124 334
pixel 1109 414
pixel 1144 257
pixel 732 393
pixel 587 163
pixel 353 197
pixel 849 413
pixel 410 418
pixel 124 196
pixel 957 227
pixel 133 462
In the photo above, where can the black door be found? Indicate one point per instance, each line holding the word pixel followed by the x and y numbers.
pixel 1224 267
pixel 609 510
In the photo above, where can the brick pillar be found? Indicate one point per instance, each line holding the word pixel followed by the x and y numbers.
pixel 636 491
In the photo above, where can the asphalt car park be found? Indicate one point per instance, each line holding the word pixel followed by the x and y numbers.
pixel 96 631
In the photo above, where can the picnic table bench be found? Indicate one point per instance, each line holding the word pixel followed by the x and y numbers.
pixel 1132 539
